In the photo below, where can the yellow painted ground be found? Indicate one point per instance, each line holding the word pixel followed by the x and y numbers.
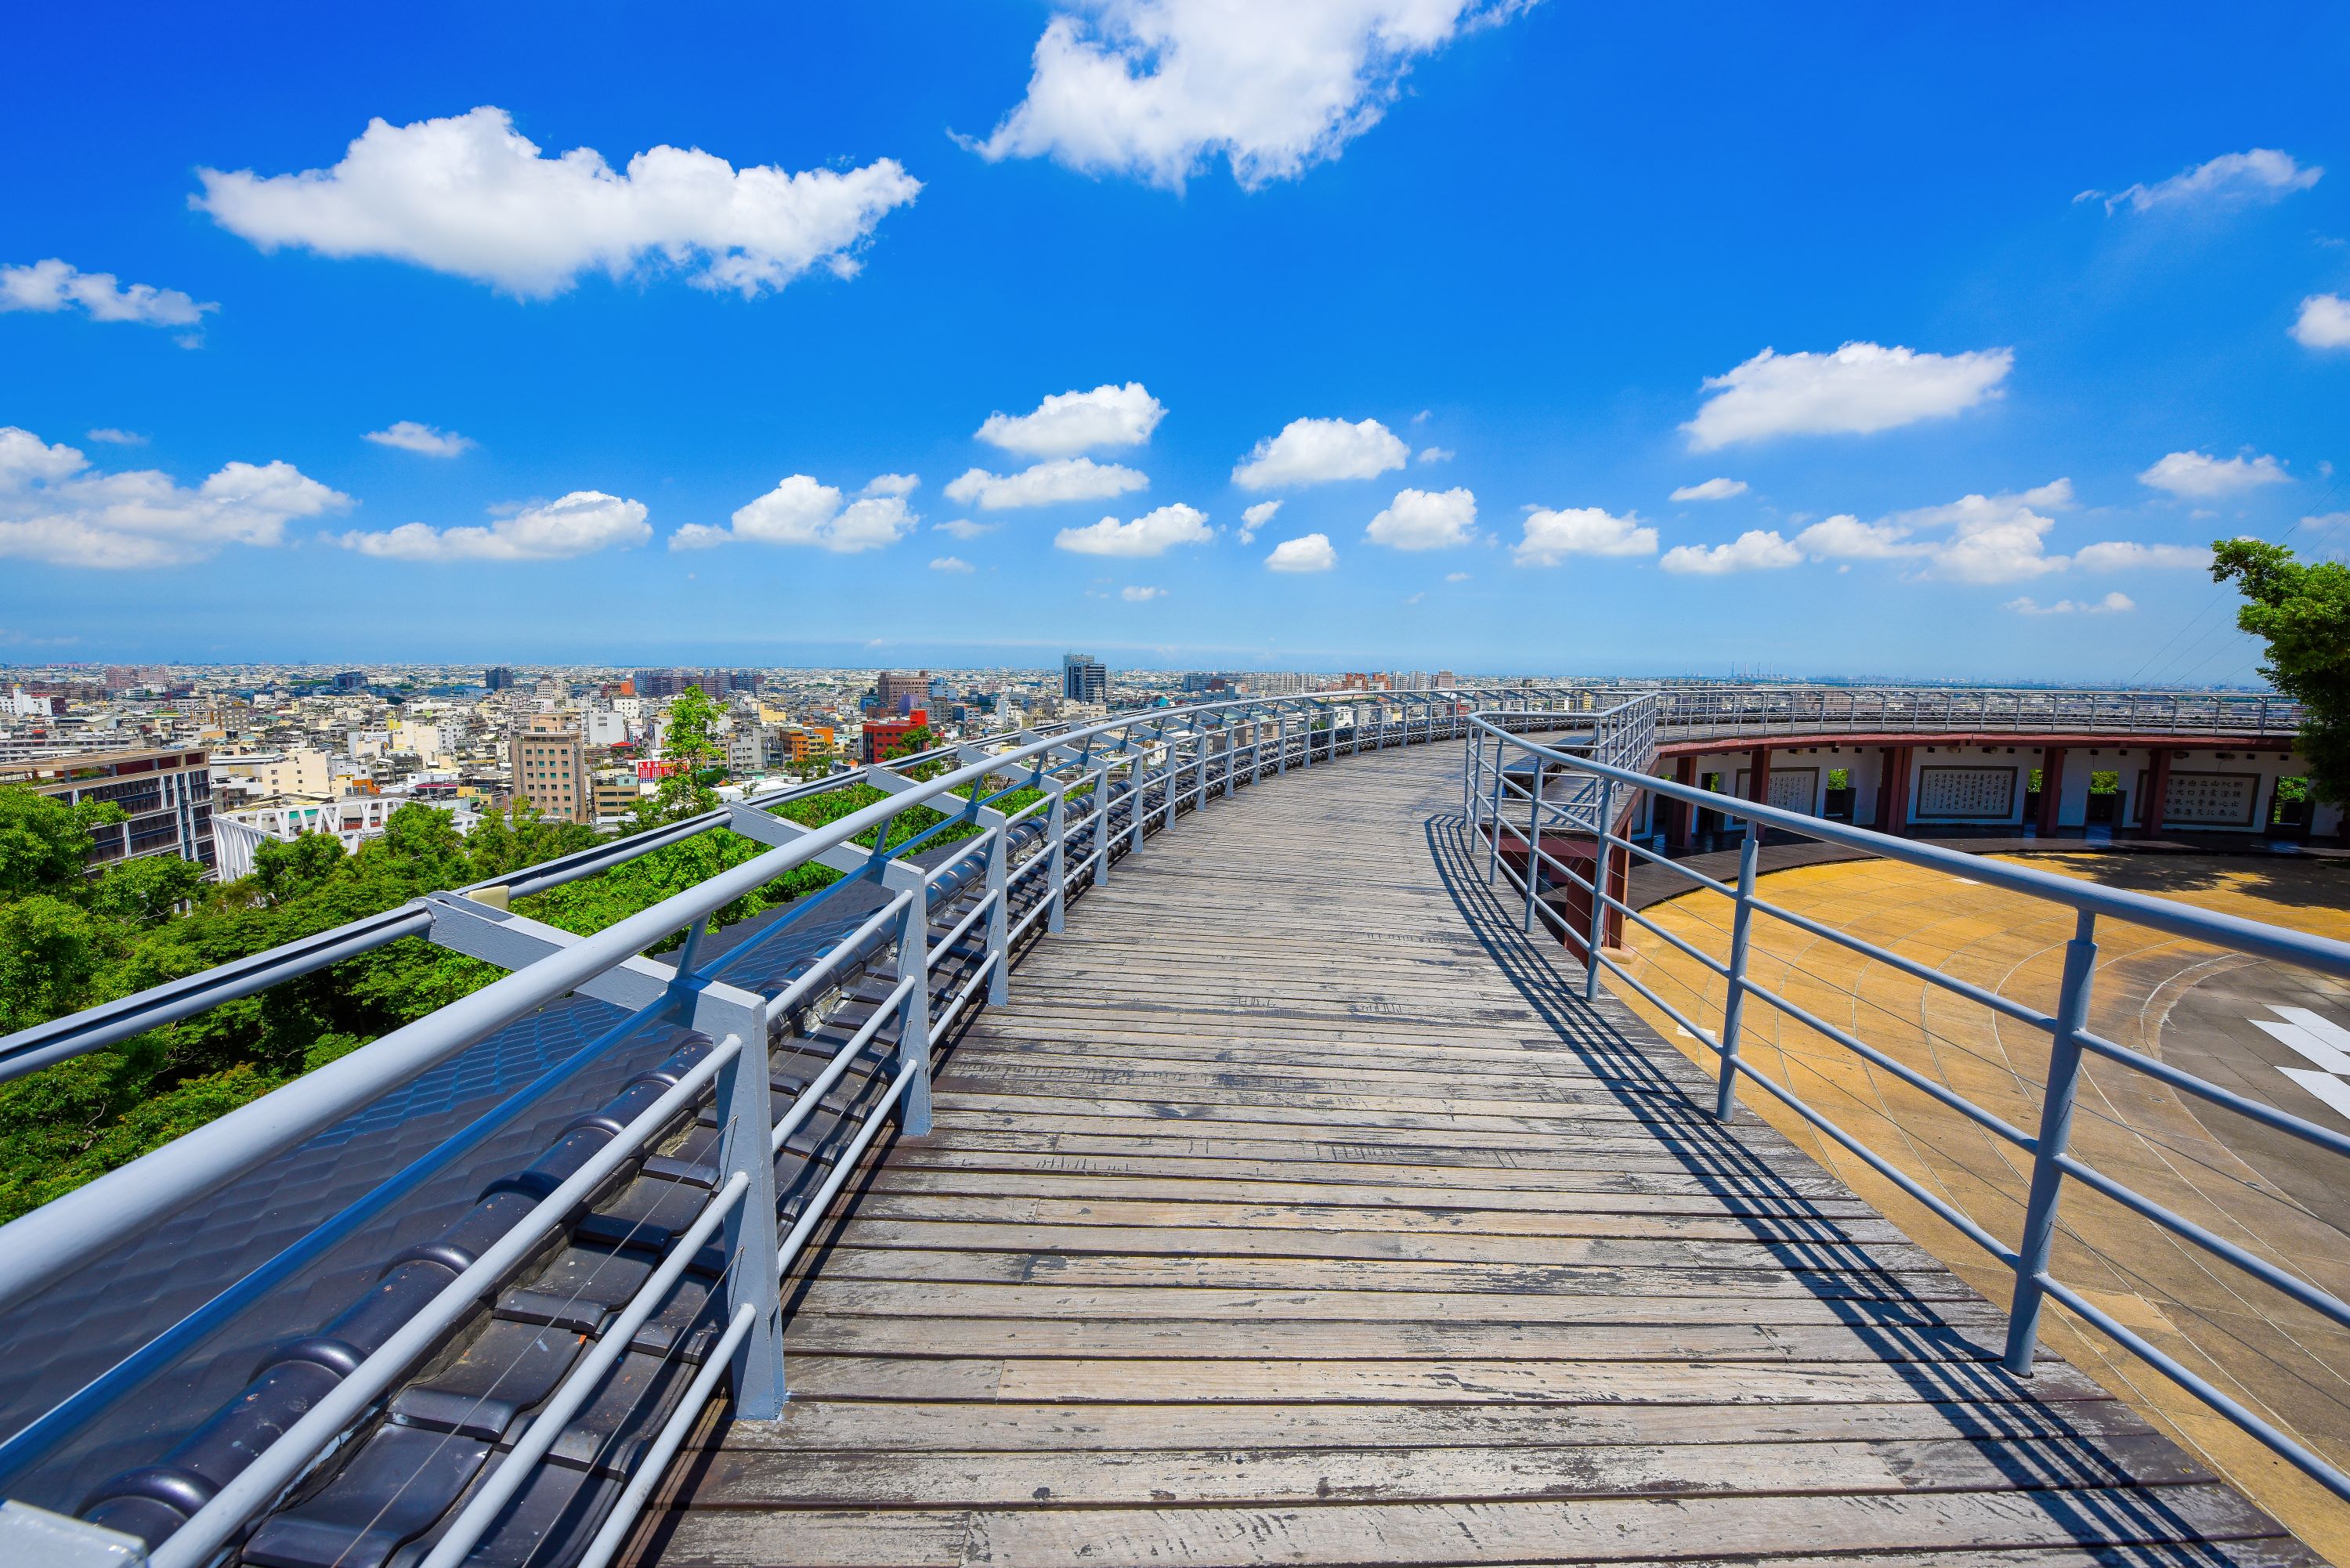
pixel 2282 1360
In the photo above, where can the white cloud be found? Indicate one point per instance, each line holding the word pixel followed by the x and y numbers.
pixel 1711 489
pixel 1983 539
pixel 2328 520
pixel 1552 535
pixel 1135 595
pixel 1422 417
pixel 53 507
pixel 580 523
pixel 471 195
pixel 1157 88
pixel 410 436
pixel 1068 423
pixel 1437 454
pixel 1860 389
pixel 1311 553
pixel 964 528
pixel 1425 520
pixel 950 564
pixel 109 436
pixel 2264 174
pixel 1046 485
pixel 803 511
pixel 2324 322
pixel 2122 555
pixel 1414 598
pixel 2111 604
pixel 892 484
pixel 1315 452
pixel 1846 537
pixel 1152 534
pixel 52 286
pixel 2202 477
pixel 1456 576
pixel 1256 517
pixel 1753 551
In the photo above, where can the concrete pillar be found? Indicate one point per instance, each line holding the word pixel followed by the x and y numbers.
pixel 2051 789
pixel 2157 790
pixel 1682 815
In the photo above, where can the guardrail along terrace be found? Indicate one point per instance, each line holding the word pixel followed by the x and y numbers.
pixel 464 1294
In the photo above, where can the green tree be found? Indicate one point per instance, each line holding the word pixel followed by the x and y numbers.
pixel 2301 609
pixel 149 890
pixel 44 842
pixel 50 952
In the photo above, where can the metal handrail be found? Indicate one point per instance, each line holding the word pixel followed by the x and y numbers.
pixel 1521 770
pixel 1147 768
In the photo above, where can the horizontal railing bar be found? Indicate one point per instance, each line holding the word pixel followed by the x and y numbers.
pixel 2321 1302
pixel 2188 1082
pixel 276 1467
pixel 2320 953
pixel 654 1465
pixel 1909 966
pixel 1697 1031
pixel 547 1426
pixel 843 1163
pixel 1987 1120
pixel 2275 1438
pixel 791 996
pixel 804 1103
pixel 1868 1157
pixel 932 950
pixel 1700 877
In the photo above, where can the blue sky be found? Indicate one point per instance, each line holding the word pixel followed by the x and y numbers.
pixel 2052 300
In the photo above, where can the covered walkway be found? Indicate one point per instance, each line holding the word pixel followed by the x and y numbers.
pixel 1293 1211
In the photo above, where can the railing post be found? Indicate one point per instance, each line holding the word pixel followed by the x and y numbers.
pixel 1101 823
pixel 1057 830
pixel 1281 743
pixel 1733 1004
pixel 1599 891
pixel 1533 838
pixel 914 1022
pixel 1501 773
pixel 2056 1132
pixel 1137 789
pixel 999 922
pixel 749 1235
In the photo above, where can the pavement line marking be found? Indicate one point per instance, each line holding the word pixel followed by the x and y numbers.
pixel 2317 1023
pixel 2305 1045
pixel 2334 1091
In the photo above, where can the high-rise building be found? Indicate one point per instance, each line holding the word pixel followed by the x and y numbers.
pixel 166 799
pixel 550 770
pixel 498 677
pixel 659 683
pixel 899 694
pixel 881 736
pixel 1445 680
pixel 350 681
pixel 1082 678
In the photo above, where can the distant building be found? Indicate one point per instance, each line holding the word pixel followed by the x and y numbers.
pixel 1082 678
pixel 901 694
pixel 498 677
pixel 659 683
pixel 550 770
pixel 132 677
pixel 881 736
pixel 350 681
pixel 1445 680
pixel 254 778
pixel 353 820
pixel 166 797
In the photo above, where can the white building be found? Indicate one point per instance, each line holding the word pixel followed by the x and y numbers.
pixel 354 819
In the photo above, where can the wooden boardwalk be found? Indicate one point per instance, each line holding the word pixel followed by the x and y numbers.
pixel 1293 1211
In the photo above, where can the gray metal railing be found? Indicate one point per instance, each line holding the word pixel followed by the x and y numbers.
pixel 1690 711
pixel 1098 791
pixel 1517 791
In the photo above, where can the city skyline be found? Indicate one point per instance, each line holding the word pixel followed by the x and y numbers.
pixel 1955 373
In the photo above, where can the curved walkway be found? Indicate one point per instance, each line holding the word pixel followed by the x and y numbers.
pixel 1292 1211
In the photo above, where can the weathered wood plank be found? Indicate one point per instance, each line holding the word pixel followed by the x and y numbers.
pixel 1286 1219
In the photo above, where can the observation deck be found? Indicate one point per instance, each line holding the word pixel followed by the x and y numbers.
pixel 1200 1142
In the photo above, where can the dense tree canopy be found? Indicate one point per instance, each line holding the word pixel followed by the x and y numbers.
pixel 2301 609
